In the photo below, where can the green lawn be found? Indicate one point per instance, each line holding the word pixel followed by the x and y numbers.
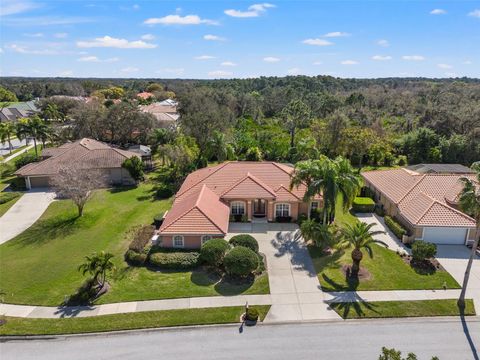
pixel 392 309
pixel 141 320
pixel 388 271
pixel 5 206
pixel 39 266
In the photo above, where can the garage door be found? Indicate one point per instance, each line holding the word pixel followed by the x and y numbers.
pixel 445 235
pixel 37 182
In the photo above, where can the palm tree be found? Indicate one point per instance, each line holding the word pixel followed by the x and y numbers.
pixel 218 147
pixel 359 236
pixel 7 130
pixel 470 203
pixel 98 265
pixel 35 128
pixel 329 178
pixel 320 234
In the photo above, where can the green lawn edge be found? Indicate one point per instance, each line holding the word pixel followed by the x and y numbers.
pixel 15 326
pixel 396 309
pixel 6 206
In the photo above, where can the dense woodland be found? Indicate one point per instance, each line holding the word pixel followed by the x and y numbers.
pixel 377 122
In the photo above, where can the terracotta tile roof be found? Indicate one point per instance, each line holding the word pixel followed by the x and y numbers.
pixel 249 187
pixel 145 95
pixel 425 199
pixel 88 153
pixel 199 212
pixel 284 194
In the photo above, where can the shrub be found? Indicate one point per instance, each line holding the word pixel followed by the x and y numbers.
pixel 402 160
pixel 283 219
pixel 245 240
pixel 379 211
pixel 395 227
pixel 158 219
pixel 363 205
pixel 252 314
pixel 163 192
pixel 422 250
pixel 253 154
pixel 301 218
pixel 18 184
pixel 240 261
pixel 213 251
pixel 24 160
pixel 134 258
pixel 175 260
pixel 141 238
pixel 134 166
pixel 8 196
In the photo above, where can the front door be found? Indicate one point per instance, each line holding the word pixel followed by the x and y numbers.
pixel 259 206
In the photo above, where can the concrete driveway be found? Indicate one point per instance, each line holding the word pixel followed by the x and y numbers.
pixel 294 286
pixel 454 259
pixel 24 213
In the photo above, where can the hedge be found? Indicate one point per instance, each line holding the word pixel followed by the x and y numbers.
pixel 175 260
pixel 363 205
pixel 241 261
pixel 422 250
pixel 245 240
pixel 395 227
pixel 134 258
pixel 8 196
pixel 213 251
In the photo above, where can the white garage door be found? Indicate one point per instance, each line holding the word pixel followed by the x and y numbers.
pixel 445 235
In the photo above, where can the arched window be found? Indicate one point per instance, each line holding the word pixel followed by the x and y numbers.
pixel 178 241
pixel 237 208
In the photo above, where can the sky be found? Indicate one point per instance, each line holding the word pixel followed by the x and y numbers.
pixel 239 39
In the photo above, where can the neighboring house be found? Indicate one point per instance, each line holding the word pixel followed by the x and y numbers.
pixel 145 95
pixel 144 152
pixel 425 201
pixel 165 111
pixel 87 153
pixel 15 111
pixel 239 190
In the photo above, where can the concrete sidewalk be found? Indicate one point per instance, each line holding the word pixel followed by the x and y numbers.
pixel 13 156
pixel 24 213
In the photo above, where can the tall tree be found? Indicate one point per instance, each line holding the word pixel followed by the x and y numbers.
pixel 35 128
pixel 7 130
pixel 98 265
pixel 470 203
pixel 296 115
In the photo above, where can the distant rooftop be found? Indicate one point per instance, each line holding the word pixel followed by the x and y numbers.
pixel 440 169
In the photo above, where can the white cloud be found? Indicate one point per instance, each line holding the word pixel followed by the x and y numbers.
pixel 175 71
pixel 110 42
pixel 349 62
pixel 129 70
pixel 35 35
pixel 317 42
pixel 147 37
pixel 204 57
pixel 228 63
pixel 220 73
pixel 271 59
pixel 467 62
pixel 317 63
pixel 475 13
pixel 413 57
pixel 381 57
pixel 254 10
pixel 438 12
pixel 96 59
pixel 46 20
pixel 293 71
pixel 445 66
pixel 179 20
pixel 210 37
pixel 60 35
pixel 1 50
pixel 25 50
pixel 10 7
pixel 383 42
pixel 336 34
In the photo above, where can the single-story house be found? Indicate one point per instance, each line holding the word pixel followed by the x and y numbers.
pixel 165 112
pixel 15 111
pixel 237 190
pixel 87 153
pixel 425 203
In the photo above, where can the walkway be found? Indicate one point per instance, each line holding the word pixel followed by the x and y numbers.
pixel 24 213
pixel 18 153
pixel 16 143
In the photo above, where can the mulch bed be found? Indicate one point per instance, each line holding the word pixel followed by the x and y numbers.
pixel 428 265
pixel 363 274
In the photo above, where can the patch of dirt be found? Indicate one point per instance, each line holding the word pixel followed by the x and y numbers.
pixel 363 274
pixel 428 265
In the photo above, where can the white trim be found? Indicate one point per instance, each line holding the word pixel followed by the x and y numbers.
pixel 179 237
pixel 238 202
pixel 282 203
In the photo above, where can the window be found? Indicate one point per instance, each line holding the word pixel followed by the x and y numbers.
pixel 205 238
pixel 282 210
pixel 314 206
pixel 178 241
pixel 238 208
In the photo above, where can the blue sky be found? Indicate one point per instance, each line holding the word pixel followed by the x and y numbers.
pixel 225 39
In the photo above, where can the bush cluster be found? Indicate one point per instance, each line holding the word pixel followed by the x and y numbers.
pixel 213 252
pixel 245 240
pixel 251 314
pixel 175 260
pixel 134 258
pixel 422 250
pixel 395 227
pixel 363 205
pixel 240 261
pixel 8 196
pixel 163 192
pixel 24 160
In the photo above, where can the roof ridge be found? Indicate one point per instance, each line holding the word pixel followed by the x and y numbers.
pixel 411 189
pixel 220 166
pixel 428 208
pixel 288 190
pixel 254 179
pixel 278 166
pixel 435 201
pixel 208 217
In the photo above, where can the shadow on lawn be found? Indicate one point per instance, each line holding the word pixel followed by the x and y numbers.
pixel 224 285
pixel 351 302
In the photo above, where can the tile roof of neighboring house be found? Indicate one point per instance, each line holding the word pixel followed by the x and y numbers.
pixel 88 153
pixel 423 199
pixel 162 111
pixel 145 95
pixel 18 110
pixel 200 212
pixel 441 169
